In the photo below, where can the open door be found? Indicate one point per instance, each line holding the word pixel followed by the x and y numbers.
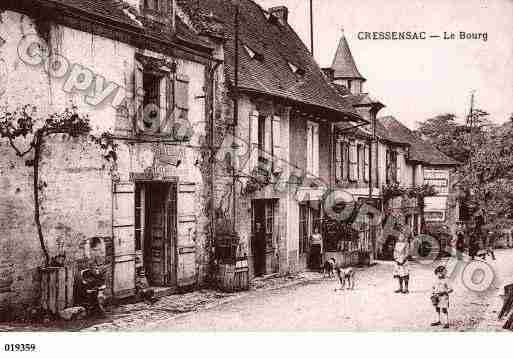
pixel 160 235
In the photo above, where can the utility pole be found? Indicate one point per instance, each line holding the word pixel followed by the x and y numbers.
pixel 311 29
pixel 470 122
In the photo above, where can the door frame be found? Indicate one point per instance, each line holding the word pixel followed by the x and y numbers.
pixel 171 276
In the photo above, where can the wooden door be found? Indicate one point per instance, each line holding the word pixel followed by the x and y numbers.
pixel 123 239
pixel 259 237
pixel 156 235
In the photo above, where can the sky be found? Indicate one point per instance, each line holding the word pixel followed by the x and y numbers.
pixel 418 79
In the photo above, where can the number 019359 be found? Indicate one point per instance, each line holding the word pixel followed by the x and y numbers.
pixel 19 347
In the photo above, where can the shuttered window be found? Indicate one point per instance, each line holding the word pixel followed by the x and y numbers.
pixel 391 167
pixel 161 102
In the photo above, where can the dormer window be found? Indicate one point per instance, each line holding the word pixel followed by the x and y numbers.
pixel 253 54
pixel 296 70
pixel 157 6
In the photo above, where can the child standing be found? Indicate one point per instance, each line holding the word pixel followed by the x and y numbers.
pixel 440 296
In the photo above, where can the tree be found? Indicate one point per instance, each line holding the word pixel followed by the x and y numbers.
pixel 454 139
pixel 488 178
pixel 22 128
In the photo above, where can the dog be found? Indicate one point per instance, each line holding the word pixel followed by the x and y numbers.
pixel 344 275
pixel 328 268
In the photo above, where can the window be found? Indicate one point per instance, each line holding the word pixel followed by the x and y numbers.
pixel 162 100
pixel 156 5
pixel 434 216
pixel 296 70
pixel 253 54
pixel 312 148
pixel 269 217
pixel 261 134
pixel 391 167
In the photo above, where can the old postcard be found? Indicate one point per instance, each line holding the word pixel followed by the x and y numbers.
pixel 268 165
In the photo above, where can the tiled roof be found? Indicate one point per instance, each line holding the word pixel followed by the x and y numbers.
pixel 117 11
pixel 420 150
pixel 344 65
pixel 279 46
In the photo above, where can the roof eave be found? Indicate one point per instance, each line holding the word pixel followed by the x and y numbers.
pixel 347 116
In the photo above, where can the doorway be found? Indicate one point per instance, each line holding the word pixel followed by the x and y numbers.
pixel 262 236
pixel 156 231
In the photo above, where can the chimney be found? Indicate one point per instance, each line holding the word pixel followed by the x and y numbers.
pixel 281 13
pixel 329 73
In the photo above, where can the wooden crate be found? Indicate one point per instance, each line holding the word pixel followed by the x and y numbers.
pixel 57 288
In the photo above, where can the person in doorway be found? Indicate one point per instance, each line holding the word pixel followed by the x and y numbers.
pixel 440 297
pixel 316 250
pixel 460 245
pixel 401 271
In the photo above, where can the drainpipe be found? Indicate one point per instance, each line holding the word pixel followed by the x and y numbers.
pixel 212 151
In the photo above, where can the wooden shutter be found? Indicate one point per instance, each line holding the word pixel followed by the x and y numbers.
pixel 187 208
pixel 316 150
pixel 387 167
pixel 181 116
pixel 309 146
pixel 276 134
pixel 366 163
pixel 163 101
pixel 338 161
pixel 167 126
pixel 253 140
pixel 123 239
pixel 138 95
pixel 268 141
pixel 353 164
pixel 345 161
pixel 398 168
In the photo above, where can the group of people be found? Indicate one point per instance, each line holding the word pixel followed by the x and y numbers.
pixel 480 243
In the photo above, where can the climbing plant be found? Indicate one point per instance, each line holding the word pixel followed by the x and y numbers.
pixel 27 134
pixel 417 192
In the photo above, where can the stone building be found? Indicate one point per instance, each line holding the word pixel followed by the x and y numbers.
pixel 146 77
pixel 287 111
pixel 370 158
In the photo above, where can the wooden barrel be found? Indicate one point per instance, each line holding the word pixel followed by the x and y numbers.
pixel 57 288
pixel 233 278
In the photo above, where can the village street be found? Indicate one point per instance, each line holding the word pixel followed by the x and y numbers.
pixel 373 305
